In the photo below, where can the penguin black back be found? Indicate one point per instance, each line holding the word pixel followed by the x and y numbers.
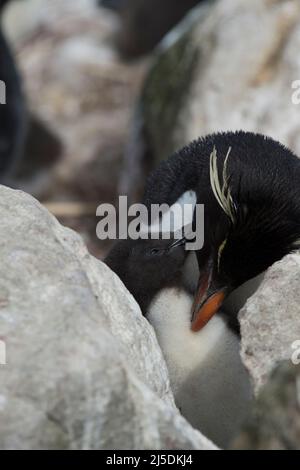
pixel 256 162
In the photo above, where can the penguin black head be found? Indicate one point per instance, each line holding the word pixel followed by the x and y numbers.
pixel 262 226
pixel 147 266
pixel 250 187
pixel 240 251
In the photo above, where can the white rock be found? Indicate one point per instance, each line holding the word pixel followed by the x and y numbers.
pixel 270 320
pixel 84 370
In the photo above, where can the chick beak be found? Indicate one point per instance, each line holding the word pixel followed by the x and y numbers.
pixel 207 301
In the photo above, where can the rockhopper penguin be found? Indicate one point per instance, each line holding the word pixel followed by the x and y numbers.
pixel 250 187
pixel 209 382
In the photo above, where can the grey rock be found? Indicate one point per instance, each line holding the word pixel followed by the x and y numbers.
pixel 270 325
pixel 275 423
pixel 270 349
pixel 84 370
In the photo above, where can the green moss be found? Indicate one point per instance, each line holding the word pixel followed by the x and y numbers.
pixel 165 90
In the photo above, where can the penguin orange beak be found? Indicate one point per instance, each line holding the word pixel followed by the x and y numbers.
pixel 207 302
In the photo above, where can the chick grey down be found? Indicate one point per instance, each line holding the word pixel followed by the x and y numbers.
pixel 210 384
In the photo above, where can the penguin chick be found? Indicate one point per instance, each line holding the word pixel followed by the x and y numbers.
pixel 210 384
pixel 146 266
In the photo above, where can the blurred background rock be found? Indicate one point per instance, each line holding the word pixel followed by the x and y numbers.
pixel 79 97
pixel 70 97
pixel 228 65
pixel 111 87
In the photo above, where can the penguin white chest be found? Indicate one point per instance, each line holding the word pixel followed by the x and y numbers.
pixel 210 384
pixel 184 351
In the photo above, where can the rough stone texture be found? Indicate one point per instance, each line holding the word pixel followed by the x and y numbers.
pixel 84 370
pixel 270 329
pixel 270 320
pixel 275 424
pixel 230 66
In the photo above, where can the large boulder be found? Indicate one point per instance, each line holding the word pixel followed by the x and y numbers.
pixel 275 422
pixel 84 370
pixel 270 320
pixel 229 65
pixel 270 349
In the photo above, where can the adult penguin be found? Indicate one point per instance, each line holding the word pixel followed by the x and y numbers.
pixel 250 187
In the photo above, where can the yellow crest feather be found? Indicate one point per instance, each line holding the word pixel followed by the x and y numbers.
pixel 220 251
pixel 221 193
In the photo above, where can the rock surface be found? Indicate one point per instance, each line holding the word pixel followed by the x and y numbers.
pixel 230 65
pixel 270 350
pixel 275 424
pixel 84 370
pixel 270 320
